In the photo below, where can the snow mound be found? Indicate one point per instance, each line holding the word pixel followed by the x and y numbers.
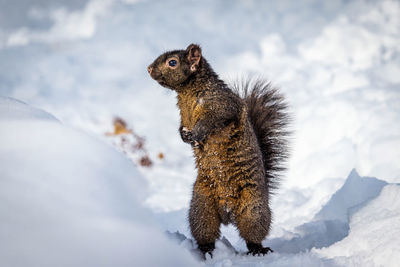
pixel 374 231
pixel 70 200
pixel 13 109
pixel 331 223
pixel 350 197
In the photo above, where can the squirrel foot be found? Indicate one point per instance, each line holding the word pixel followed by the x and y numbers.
pixel 257 249
pixel 206 248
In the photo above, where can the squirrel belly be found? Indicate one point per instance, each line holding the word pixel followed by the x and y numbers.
pixel 229 165
pixel 239 143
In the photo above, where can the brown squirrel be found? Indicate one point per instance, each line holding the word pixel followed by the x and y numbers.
pixel 239 144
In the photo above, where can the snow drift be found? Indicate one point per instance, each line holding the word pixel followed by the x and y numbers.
pixel 70 200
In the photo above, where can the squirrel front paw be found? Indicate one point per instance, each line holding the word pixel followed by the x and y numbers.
pixel 195 144
pixel 187 137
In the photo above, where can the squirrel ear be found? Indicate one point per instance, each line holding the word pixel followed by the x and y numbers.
pixel 194 56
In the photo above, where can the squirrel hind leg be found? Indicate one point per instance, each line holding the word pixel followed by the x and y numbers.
pixel 204 221
pixel 206 248
pixel 253 221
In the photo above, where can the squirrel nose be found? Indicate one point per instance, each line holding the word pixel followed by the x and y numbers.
pixel 149 69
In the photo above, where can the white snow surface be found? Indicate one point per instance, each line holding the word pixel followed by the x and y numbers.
pixel 68 199
pixel 373 238
pixel 84 62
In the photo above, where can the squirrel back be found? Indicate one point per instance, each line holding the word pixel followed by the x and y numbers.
pixel 267 112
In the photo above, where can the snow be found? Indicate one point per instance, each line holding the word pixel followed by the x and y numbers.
pixel 68 199
pixel 374 229
pixel 331 223
pixel 84 62
pixel 12 109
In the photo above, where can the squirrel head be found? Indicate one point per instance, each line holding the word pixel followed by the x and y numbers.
pixel 173 69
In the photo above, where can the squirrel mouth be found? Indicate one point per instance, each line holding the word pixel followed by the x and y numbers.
pixel 158 78
pixel 161 82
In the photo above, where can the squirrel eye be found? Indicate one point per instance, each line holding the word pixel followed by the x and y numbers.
pixel 172 63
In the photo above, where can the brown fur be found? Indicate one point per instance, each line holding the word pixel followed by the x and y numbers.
pixel 236 160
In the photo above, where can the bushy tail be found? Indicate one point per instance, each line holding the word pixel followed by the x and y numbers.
pixel 268 114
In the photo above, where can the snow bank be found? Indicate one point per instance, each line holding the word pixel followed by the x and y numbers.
pixel 13 109
pixel 70 200
pixel 355 192
pixel 373 239
pixel 331 223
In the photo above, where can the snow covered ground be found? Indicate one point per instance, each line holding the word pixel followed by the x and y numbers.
pixel 70 200
pixel 337 62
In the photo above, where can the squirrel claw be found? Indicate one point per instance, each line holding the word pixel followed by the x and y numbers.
pixel 195 144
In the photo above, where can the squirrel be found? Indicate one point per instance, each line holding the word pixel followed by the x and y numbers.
pixel 239 143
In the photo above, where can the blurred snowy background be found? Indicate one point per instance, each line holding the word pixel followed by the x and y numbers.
pixel 337 62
